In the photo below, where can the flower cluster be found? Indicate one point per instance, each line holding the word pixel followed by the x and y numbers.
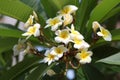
pixel 66 36
pixel 69 41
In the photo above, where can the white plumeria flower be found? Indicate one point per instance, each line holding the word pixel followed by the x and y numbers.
pixel 58 51
pixel 29 22
pixel 50 57
pixel 54 23
pixel 95 26
pixel 33 30
pixel 84 56
pixel 19 48
pixel 105 34
pixel 68 18
pixel 75 33
pixel 62 36
pixel 80 43
pixel 69 9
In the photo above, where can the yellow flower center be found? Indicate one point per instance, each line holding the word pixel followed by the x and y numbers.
pixel 65 10
pixel 51 57
pixel 77 41
pixel 64 34
pixel 83 55
pixel 32 30
pixel 58 50
pixel 54 21
pixel 104 32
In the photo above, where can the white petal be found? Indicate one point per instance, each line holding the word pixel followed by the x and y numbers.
pixel 49 62
pixel 58 39
pixel 54 28
pixel 47 52
pixel 108 38
pixel 99 34
pixel 86 60
pixel 57 32
pixel 47 26
pixel 77 55
pixel 26 34
pixel 60 55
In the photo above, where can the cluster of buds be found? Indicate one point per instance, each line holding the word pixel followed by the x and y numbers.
pixel 70 42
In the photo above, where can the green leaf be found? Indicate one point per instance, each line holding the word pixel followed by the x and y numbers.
pixel 99 12
pixel 34 4
pixel 80 74
pixel 20 68
pixel 83 13
pixel 52 6
pixel 114 59
pixel 7 31
pixel 84 73
pixel 7 43
pixel 113 12
pixel 38 73
pixel 115 37
pixel 37 7
pixel 92 73
pixel 15 9
pixel 104 51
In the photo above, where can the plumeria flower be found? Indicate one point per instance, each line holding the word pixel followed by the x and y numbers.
pixel 58 51
pixel 54 23
pixel 33 30
pixel 95 26
pixel 19 48
pixel 75 33
pixel 84 56
pixel 68 18
pixel 50 57
pixel 105 34
pixel 29 22
pixel 69 9
pixel 62 36
pixel 80 43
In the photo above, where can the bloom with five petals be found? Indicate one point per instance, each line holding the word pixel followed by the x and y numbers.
pixel 49 57
pixel 54 23
pixel 84 56
pixel 33 30
pixel 62 36
pixel 58 51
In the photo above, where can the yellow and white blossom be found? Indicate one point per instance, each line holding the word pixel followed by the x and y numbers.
pixel 84 56
pixel 95 26
pixel 49 57
pixel 69 9
pixel 33 30
pixel 105 34
pixel 67 19
pixel 62 36
pixel 74 33
pixel 58 51
pixel 54 23
pixel 80 43
pixel 29 22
